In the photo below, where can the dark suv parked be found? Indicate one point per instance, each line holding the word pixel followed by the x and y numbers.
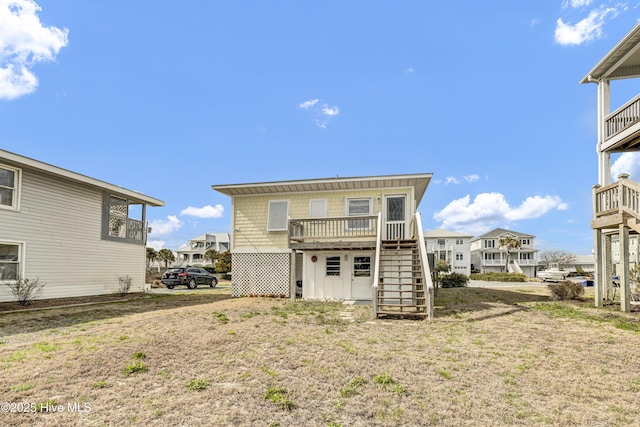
pixel 190 276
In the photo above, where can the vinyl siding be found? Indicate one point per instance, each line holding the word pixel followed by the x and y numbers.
pixel 250 214
pixel 60 223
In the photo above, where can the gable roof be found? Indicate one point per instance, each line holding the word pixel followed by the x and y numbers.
pixel 440 232
pixel 622 62
pixel 12 159
pixel 417 181
pixel 499 232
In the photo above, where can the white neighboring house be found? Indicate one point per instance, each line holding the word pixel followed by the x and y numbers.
pixel 193 252
pixel 488 256
pixel 451 246
pixel 74 233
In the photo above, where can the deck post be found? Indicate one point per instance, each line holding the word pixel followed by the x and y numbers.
pixel 597 254
pixel 623 274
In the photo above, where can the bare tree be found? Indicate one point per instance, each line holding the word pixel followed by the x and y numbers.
pixel 556 257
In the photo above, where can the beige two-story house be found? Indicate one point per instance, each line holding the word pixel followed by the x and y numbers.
pixel 357 238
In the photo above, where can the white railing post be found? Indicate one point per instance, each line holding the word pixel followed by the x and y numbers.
pixel 426 271
pixel 376 274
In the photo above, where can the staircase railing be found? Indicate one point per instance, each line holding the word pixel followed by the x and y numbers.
pixel 376 273
pixel 619 197
pixel 426 271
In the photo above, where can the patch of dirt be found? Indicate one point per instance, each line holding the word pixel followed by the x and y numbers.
pixel 61 302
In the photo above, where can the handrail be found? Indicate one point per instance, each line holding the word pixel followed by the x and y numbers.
pixel 376 274
pixel 357 226
pixel 618 197
pixel 426 271
pixel 625 116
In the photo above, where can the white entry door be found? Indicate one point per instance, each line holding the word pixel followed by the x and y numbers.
pixel 361 275
pixel 395 216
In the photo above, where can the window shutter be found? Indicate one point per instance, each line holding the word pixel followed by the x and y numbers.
pixel 278 215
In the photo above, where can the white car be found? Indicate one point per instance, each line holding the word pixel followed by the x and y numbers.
pixel 552 275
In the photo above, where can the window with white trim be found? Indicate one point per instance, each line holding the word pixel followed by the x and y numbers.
pixel 10 260
pixel 278 216
pixel 359 207
pixel 489 243
pixel 459 256
pixel 9 187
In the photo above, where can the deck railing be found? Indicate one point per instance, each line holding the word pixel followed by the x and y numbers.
pixel 333 228
pixel 416 228
pixel 622 118
pixel 622 196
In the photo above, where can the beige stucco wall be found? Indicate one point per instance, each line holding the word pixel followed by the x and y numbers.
pixel 249 228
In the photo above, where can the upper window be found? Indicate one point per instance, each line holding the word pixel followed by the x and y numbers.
pixel 278 215
pixel 359 207
pixel 9 179
pixel 441 242
pixel 318 208
pixel 119 224
pixel 489 244
pixel 10 261
pixel 459 242
pixel 525 242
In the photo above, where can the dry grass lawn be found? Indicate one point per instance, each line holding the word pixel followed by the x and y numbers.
pixel 491 357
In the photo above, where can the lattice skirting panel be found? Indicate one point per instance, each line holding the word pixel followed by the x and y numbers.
pixel 260 274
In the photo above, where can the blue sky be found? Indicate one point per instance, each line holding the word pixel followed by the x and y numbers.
pixel 169 98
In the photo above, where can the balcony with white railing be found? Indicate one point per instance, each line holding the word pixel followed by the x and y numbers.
pixel 622 127
pixel 345 232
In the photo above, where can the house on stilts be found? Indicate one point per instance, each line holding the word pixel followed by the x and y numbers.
pixel 616 205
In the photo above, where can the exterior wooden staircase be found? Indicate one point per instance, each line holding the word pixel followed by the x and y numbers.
pixel 401 287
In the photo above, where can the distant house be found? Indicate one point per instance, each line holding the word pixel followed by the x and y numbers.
pixel 354 238
pixel 75 233
pixel 193 252
pixel 451 246
pixel 488 256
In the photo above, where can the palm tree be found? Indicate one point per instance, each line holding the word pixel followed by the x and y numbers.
pixel 508 243
pixel 166 255
pixel 211 255
pixel 152 255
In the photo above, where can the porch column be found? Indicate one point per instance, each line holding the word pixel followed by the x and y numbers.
pixel 623 274
pixel 598 279
pixel 598 258
pixel 604 108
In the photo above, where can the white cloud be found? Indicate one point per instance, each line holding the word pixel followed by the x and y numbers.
pixel 156 244
pixel 24 41
pixel 330 111
pixel 471 178
pixel 589 28
pixel 323 112
pixel 205 211
pixel 489 210
pixel 451 180
pixel 576 3
pixel 308 104
pixel 626 163
pixel 410 70
pixel 160 227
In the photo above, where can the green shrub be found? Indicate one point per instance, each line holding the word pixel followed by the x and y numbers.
pixel 454 280
pixel 499 277
pixel 566 290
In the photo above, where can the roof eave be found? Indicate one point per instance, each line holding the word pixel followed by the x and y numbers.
pixel 23 161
